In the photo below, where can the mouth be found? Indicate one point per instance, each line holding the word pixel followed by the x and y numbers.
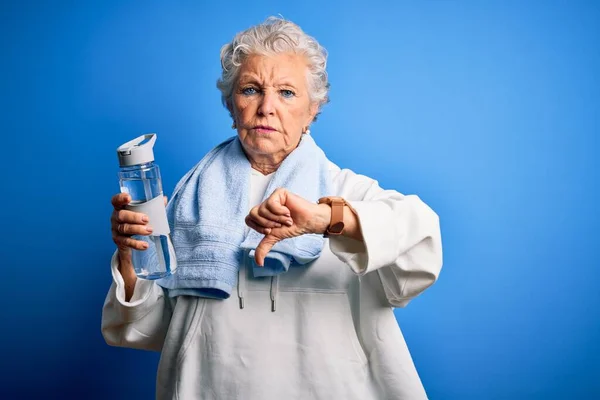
pixel 264 129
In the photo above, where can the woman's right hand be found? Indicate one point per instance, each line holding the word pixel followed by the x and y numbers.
pixel 124 224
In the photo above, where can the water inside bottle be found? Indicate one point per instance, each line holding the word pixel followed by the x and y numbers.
pixel 156 261
pixel 141 190
pixel 143 184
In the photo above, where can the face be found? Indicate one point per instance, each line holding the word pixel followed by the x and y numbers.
pixel 271 106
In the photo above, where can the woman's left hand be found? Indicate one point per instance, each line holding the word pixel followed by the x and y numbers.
pixel 285 215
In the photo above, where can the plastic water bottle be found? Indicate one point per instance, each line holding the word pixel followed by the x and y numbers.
pixel 139 176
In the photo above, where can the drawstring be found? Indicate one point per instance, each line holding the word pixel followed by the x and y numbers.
pixel 274 292
pixel 241 286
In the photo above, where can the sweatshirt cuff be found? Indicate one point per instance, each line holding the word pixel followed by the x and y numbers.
pixel 392 287
pixel 138 306
pixel 380 242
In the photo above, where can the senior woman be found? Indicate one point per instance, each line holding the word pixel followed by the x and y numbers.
pixel 289 267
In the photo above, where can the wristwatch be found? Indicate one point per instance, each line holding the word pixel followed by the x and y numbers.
pixel 336 225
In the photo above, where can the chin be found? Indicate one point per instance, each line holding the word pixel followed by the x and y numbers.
pixel 261 145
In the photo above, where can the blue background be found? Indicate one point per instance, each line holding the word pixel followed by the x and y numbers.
pixel 487 110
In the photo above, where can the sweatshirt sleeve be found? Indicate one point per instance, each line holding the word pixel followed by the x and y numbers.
pixel 140 323
pixel 402 239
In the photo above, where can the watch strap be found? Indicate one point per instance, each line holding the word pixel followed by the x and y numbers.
pixel 336 223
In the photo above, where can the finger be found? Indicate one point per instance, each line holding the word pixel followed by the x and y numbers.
pixel 131 217
pixel 266 211
pixel 262 221
pixel 276 202
pixel 263 249
pixel 120 200
pixel 124 241
pixel 166 200
pixel 132 229
pixel 258 228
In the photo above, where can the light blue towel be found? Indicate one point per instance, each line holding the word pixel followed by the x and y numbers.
pixel 207 210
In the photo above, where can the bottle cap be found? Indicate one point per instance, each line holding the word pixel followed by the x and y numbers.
pixel 137 151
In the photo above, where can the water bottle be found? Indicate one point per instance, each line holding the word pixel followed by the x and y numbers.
pixel 139 176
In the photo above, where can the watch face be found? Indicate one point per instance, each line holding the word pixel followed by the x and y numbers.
pixel 337 228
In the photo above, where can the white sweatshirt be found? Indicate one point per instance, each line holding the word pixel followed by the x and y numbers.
pixel 333 334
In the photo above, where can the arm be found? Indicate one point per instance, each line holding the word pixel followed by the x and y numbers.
pixel 401 237
pixel 396 235
pixel 141 322
pixel 125 269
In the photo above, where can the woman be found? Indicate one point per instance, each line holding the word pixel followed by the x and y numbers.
pixel 316 255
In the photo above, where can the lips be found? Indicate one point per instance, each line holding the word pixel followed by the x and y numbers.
pixel 264 128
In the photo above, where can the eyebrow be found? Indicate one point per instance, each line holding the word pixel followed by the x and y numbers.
pixel 247 77
pixel 251 78
pixel 285 82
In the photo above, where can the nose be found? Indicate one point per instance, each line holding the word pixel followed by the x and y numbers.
pixel 267 104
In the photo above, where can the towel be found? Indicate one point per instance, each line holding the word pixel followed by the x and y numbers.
pixel 207 213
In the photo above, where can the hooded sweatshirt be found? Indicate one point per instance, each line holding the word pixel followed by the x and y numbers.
pixel 325 330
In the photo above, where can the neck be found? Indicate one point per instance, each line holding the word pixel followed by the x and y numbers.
pixel 266 164
pixel 265 168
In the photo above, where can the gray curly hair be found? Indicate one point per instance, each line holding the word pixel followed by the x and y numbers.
pixel 274 35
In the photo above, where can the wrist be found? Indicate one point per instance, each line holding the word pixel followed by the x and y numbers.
pixel 322 219
pixel 125 266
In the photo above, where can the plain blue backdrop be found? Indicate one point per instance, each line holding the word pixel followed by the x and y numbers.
pixel 489 111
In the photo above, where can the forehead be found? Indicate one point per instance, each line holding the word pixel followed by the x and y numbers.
pixel 274 69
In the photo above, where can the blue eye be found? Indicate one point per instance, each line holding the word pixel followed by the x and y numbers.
pixel 249 91
pixel 287 93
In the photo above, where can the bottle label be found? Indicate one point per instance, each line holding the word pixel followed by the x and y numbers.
pixel 156 212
